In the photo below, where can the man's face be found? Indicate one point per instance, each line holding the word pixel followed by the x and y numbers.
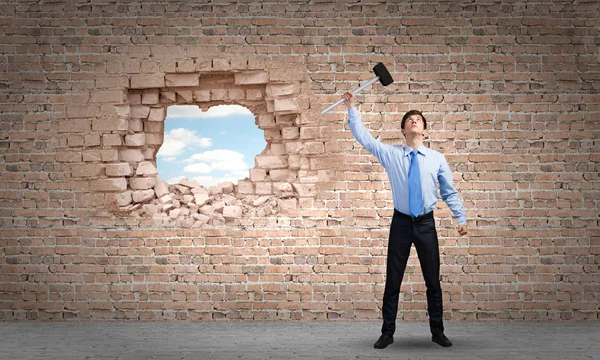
pixel 414 125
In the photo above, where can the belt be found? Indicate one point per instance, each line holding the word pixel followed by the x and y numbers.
pixel 419 218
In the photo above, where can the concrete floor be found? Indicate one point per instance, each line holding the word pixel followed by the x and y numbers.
pixel 284 340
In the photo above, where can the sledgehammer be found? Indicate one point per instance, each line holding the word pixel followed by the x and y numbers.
pixel 383 76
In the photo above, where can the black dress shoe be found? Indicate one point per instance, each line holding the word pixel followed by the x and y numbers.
pixel 384 341
pixel 441 339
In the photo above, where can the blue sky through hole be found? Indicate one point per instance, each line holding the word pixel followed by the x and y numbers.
pixel 210 147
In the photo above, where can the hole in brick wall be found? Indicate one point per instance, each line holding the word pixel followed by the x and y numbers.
pixel 209 147
pixel 279 176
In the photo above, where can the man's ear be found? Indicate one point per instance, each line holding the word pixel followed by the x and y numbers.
pixel 425 134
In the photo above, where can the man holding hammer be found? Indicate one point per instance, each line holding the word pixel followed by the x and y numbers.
pixel 414 172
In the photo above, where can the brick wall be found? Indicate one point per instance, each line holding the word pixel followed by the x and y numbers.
pixel 511 91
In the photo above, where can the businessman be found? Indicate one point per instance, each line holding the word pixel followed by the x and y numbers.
pixel 414 172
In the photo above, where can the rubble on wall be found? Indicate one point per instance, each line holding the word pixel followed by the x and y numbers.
pixel 190 204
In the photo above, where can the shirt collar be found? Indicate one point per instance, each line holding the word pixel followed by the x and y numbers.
pixel 422 150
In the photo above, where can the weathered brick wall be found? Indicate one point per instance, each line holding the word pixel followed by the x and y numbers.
pixel 88 230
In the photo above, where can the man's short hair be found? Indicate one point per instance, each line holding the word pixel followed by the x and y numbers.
pixel 413 112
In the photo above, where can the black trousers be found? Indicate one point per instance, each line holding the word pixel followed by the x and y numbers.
pixel 404 231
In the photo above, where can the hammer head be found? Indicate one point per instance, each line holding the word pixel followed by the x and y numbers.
pixel 384 75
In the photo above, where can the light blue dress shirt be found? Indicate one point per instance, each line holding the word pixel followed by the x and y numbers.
pixel 395 159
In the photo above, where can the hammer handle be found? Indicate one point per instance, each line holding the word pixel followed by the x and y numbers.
pixel 356 91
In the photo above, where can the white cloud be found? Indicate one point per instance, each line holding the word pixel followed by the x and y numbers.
pixel 218 155
pixel 193 111
pixel 178 139
pixel 241 174
pixel 229 165
pixel 198 168
pixel 221 159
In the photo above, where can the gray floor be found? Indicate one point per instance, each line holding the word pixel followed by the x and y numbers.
pixel 283 340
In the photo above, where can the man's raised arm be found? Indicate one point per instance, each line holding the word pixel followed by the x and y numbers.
pixel 360 132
